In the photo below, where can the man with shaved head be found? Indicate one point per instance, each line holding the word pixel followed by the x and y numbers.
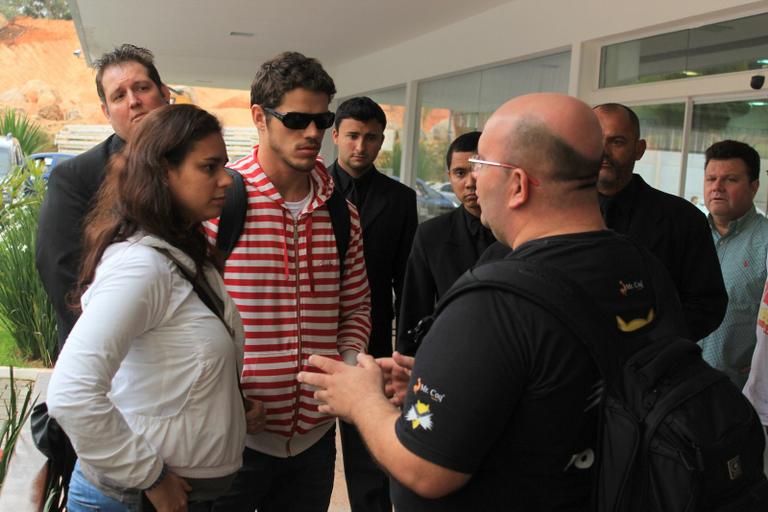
pixel 669 226
pixel 499 412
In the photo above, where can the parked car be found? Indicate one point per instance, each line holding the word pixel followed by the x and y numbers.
pixel 429 202
pixel 11 155
pixel 50 160
pixel 447 192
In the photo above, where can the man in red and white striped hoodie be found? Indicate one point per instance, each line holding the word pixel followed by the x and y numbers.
pixel 284 275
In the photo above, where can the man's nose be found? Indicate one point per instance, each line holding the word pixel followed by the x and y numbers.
pixel 312 131
pixel 133 99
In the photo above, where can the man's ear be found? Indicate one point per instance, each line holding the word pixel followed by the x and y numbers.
pixel 640 149
pixel 166 92
pixel 105 110
pixel 258 117
pixel 335 136
pixel 518 188
pixel 753 187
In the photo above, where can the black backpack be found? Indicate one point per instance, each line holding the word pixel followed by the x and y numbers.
pixel 232 218
pixel 675 434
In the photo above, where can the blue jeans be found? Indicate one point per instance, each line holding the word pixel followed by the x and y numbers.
pixel 302 483
pixel 85 497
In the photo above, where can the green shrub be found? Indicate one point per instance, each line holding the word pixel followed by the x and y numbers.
pixel 25 309
pixel 17 411
pixel 31 137
pixel 9 352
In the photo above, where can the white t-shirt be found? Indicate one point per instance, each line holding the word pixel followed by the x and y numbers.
pixel 296 207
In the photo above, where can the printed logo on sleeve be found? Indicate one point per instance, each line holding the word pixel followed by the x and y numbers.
pixel 419 416
pixel 433 394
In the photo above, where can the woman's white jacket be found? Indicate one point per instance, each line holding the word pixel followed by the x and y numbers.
pixel 149 374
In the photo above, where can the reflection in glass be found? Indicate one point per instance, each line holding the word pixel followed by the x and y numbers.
pixel 392 102
pixel 725 47
pixel 662 128
pixel 449 107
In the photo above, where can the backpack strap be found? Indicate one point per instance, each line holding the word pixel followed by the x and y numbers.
pixel 339 211
pixel 554 291
pixel 232 217
pixel 551 290
pixel 201 287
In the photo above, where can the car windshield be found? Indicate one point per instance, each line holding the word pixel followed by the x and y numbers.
pixel 5 161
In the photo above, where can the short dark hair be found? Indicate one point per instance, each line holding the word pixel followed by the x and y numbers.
pixel 361 108
pixel 125 53
pixel 286 72
pixel 728 149
pixel 539 144
pixel 464 143
pixel 633 119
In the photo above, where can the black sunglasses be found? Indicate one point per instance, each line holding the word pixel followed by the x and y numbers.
pixel 300 120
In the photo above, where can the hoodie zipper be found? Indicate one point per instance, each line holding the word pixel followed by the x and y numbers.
pixel 296 258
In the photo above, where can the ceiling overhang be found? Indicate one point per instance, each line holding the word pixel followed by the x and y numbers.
pixel 222 43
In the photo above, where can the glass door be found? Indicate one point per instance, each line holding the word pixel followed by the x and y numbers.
pixel 745 121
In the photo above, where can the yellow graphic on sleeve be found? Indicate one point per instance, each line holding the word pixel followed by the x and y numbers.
pixel 419 416
pixel 762 317
pixel 635 323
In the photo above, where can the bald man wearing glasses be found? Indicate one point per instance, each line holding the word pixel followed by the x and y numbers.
pixel 299 289
pixel 498 413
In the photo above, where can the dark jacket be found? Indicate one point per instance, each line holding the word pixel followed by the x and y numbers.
pixel 71 191
pixel 388 218
pixel 444 248
pixel 678 234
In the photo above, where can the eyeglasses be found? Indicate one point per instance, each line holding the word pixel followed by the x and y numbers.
pixel 476 164
pixel 300 120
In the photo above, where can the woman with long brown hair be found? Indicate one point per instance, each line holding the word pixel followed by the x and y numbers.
pixel 146 386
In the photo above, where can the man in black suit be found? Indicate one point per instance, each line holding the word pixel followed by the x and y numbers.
pixel 444 247
pixel 388 217
pixel 673 229
pixel 129 87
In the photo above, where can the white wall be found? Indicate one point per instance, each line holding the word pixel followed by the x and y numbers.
pixel 523 28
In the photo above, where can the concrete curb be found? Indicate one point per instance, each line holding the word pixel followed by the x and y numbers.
pixel 22 373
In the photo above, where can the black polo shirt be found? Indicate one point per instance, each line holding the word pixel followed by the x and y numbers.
pixel 503 391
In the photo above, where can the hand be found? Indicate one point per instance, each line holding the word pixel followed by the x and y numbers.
pixel 170 495
pixel 255 415
pixel 345 391
pixel 397 374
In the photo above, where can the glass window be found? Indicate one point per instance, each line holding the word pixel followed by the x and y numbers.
pixel 745 121
pixel 392 101
pixel 662 128
pixel 725 47
pixel 449 107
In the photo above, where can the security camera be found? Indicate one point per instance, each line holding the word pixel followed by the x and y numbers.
pixel 757 81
